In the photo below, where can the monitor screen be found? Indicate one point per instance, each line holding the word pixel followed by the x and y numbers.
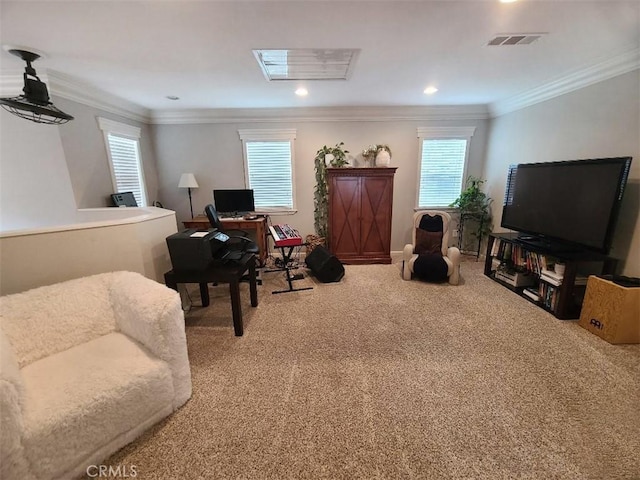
pixel 573 202
pixel 233 202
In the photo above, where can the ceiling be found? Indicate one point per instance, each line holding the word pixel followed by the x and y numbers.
pixel 201 51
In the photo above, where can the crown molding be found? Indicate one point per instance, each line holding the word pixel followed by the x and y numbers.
pixel 11 82
pixel 445 132
pixel 252 134
pixel 68 87
pixel 65 86
pixel 320 114
pixel 604 70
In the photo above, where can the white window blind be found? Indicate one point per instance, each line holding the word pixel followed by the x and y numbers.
pixel 126 167
pixel 441 171
pixel 442 164
pixel 269 172
pixel 269 168
pixel 123 149
pixel 511 184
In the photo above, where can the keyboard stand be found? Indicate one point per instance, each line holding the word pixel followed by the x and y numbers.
pixel 286 258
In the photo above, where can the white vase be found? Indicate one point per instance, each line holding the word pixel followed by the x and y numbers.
pixel 383 159
pixel 328 158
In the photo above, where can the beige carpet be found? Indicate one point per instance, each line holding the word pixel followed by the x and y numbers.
pixel 374 377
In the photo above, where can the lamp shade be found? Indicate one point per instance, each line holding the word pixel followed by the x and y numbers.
pixel 187 180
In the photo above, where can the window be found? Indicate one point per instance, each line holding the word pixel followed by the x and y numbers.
pixel 268 161
pixel 123 148
pixel 443 160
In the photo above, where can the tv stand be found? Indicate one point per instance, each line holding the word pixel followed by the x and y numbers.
pixel 517 262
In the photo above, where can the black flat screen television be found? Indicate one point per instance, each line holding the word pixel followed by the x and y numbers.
pixel 233 202
pixel 566 205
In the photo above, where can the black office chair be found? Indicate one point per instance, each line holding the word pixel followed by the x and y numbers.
pixel 239 244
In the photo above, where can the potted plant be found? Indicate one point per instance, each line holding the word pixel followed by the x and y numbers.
pixel 474 207
pixel 334 157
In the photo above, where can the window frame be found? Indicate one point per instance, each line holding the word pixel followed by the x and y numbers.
pixel 271 135
pixel 442 133
pixel 119 129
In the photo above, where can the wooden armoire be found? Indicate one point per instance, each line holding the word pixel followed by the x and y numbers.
pixel 360 206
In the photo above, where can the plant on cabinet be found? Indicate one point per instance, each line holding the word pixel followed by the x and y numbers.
pixel 326 156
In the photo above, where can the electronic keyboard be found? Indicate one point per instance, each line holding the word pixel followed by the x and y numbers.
pixel 285 236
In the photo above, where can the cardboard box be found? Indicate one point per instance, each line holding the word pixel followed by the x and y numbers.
pixel 611 311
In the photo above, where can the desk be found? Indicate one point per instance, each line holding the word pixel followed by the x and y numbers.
pixel 259 225
pixel 230 273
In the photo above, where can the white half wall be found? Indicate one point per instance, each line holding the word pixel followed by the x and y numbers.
pixel 32 259
pixel 602 120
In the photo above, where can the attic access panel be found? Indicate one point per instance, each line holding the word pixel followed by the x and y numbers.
pixel 306 63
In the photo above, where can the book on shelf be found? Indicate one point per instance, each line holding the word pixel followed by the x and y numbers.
pixel 520 256
pixel 495 248
pixel 551 277
pixel 552 274
pixel 581 280
pixel 551 280
pixel 548 296
pixel 532 293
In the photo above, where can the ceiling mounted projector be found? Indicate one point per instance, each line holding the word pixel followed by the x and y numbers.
pixel 34 105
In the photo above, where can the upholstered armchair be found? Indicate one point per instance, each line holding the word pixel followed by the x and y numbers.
pixel 86 366
pixel 429 256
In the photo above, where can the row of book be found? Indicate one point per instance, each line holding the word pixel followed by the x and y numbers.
pixel 545 294
pixel 550 276
pixel 521 257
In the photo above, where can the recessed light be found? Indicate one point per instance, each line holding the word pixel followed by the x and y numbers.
pixel 302 92
pixel 507 1
pixel 430 90
pixel 173 97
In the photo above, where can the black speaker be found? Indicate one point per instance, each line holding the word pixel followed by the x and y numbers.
pixel 324 266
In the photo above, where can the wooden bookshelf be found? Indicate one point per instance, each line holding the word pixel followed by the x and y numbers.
pixel 510 261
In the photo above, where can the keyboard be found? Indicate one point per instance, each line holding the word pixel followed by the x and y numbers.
pixel 285 236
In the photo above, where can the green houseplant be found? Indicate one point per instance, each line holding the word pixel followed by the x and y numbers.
pixel 474 208
pixel 336 157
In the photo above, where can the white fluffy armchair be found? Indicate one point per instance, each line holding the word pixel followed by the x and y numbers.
pixel 433 242
pixel 86 366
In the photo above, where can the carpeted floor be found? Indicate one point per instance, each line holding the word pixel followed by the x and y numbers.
pixel 375 377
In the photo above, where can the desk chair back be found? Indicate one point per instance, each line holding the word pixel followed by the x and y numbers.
pixel 214 219
pixel 238 239
pixel 239 244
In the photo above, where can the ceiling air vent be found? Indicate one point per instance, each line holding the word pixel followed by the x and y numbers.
pixel 504 39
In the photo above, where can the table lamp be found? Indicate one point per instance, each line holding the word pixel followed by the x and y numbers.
pixel 188 181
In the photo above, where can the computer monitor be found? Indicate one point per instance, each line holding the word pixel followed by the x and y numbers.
pixel 124 199
pixel 233 202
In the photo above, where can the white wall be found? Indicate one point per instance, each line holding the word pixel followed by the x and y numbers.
pixel 602 120
pixel 35 188
pixel 49 171
pixel 87 159
pixel 213 153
